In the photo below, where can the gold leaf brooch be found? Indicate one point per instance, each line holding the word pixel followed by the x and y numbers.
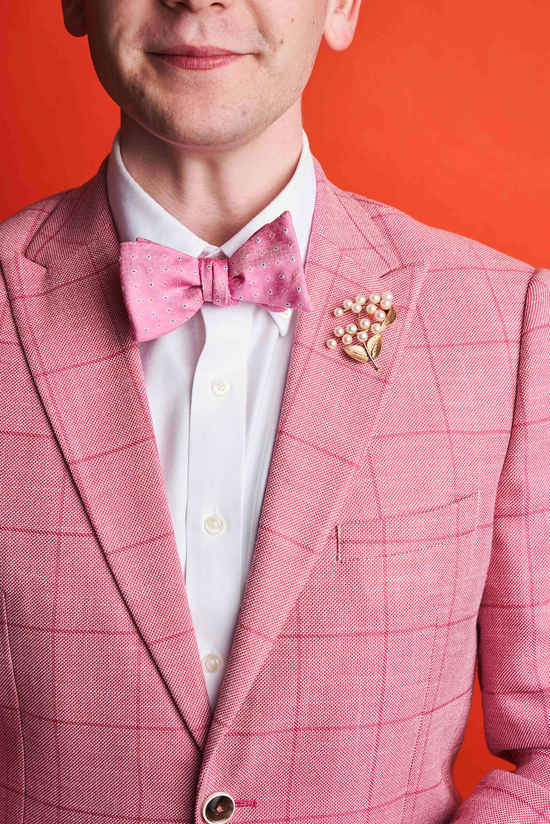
pixel 380 314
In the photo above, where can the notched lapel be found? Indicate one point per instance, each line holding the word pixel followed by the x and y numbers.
pixel 330 410
pixel 70 315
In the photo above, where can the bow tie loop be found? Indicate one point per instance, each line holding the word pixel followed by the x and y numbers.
pixel 163 288
pixel 214 279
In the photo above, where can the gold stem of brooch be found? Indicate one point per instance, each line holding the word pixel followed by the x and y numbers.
pixel 370 357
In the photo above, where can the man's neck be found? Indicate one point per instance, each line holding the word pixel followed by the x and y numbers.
pixel 214 192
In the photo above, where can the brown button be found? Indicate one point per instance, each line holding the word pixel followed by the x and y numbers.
pixel 218 807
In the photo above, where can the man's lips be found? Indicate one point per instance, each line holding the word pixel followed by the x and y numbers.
pixel 197 57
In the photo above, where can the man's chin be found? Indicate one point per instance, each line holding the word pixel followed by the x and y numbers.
pixel 207 129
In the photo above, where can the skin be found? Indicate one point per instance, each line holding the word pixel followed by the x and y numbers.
pixel 212 147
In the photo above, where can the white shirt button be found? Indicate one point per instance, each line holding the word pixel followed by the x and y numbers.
pixel 214 524
pixel 219 387
pixel 211 662
pixel 286 313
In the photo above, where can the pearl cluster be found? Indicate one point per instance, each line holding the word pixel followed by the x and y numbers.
pixel 376 308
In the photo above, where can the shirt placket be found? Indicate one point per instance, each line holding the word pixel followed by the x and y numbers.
pixel 216 476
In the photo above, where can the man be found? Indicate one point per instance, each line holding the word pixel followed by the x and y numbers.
pixel 257 520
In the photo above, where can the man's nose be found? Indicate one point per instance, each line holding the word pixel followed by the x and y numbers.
pixel 197 5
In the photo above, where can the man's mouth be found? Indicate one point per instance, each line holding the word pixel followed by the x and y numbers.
pixel 186 56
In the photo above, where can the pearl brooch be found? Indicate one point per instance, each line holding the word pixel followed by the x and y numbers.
pixel 368 330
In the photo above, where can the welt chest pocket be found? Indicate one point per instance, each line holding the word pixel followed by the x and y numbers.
pixel 409 537
pixel 412 577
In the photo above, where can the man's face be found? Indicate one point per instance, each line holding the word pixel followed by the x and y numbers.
pixel 276 42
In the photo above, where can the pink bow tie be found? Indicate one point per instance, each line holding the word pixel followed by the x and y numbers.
pixel 162 288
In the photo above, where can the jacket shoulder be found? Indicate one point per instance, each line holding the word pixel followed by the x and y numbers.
pixel 446 251
pixel 17 230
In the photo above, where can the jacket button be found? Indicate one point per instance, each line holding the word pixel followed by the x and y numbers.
pixel 218 807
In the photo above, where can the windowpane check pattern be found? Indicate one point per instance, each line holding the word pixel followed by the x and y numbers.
pixel 405 520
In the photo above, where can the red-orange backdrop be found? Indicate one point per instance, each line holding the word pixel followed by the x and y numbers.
pixel 439 108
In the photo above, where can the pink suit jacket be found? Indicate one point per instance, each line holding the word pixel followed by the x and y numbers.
pixel 404 529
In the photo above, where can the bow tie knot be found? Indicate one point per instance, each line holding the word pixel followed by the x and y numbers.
pixel 214 281
pixel 163 288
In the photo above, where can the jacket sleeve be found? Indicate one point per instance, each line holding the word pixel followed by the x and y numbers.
pixel 514 615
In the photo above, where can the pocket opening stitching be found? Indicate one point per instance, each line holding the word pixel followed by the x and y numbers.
pixel 396 516
pixel 428 545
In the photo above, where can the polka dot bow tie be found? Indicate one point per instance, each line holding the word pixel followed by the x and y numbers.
pixel 162 288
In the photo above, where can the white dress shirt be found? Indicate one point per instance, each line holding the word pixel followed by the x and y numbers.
pixel 215 386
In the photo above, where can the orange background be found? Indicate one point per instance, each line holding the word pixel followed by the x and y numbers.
pixel 440 108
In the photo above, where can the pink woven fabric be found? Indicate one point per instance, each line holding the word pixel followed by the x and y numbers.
pixel 162 288
pixel 404 530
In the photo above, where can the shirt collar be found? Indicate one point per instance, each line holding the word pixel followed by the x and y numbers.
pixel 137 214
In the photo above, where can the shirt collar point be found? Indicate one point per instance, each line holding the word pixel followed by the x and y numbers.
pixel 283 323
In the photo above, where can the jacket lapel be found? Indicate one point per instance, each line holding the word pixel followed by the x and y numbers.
pixel 71 319
pixel 330 409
